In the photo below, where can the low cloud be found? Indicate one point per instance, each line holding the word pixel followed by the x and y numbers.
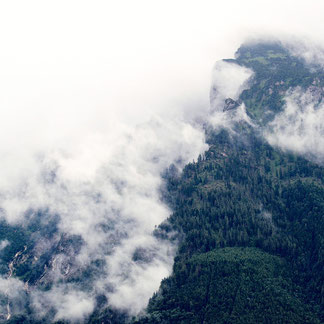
pixel 107 192
pixel 310 51
pixel 228 81
pixel 70 304
pixel 3 244
pixel 13 298
pixel 300 127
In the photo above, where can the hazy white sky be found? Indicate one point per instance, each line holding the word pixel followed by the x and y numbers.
pixel 75 63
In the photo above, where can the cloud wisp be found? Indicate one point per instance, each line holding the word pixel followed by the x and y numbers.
pixel 299 127
pixel 228 81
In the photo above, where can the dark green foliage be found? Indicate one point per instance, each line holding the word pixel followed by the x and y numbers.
pixel 244 193
pixel 17 239
pixel 250 217
pixel 275 72
pixel 107 316
pixel 229 285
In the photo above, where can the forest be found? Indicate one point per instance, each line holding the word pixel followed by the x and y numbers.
pixel 249 217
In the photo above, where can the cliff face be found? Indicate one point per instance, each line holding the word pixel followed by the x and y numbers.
pixel 231 104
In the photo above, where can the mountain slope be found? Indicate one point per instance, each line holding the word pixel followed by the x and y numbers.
pixel 251 216
pixel 230 285
pixel 247 217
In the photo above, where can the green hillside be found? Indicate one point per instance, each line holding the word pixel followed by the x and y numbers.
pixel 275 72
pixel 250 217
pixel 230 285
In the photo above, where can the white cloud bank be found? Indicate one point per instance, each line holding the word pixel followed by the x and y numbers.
pixel 300 127
pixel 228 81
pixel 107 190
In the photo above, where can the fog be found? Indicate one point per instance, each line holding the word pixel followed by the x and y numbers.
pixel 299 128
pixel 96 100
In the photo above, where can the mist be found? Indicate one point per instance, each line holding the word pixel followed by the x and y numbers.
pixel 299 128
pixel 96 101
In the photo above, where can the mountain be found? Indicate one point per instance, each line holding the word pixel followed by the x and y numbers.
pixel 250 215
pixel 247 216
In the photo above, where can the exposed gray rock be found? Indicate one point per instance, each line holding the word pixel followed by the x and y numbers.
pixel 231 104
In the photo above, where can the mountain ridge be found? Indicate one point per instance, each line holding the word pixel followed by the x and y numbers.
pixel 245 194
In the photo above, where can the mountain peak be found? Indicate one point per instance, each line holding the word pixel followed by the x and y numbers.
pixel 276 71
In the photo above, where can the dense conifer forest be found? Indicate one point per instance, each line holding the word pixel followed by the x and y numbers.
pixel 251 224
pixel 249 217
